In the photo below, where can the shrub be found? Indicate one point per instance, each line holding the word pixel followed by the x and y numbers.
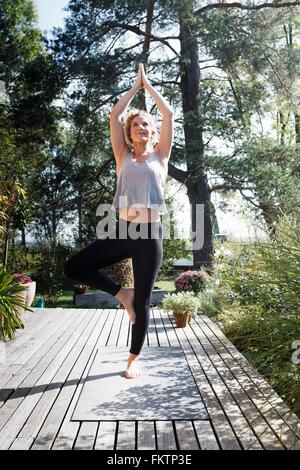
pixel 260 300
pixel 193 281
pixel 173 248
pixel 182 302
pixel 9 303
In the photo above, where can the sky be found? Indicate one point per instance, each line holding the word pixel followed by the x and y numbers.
pixel 51 14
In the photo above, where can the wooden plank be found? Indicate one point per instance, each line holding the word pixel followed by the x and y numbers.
pixel 44 356
pixel 23 348
pixel 226 436
pixel 160 329
pixel 36 355
pixel 146 435
pixel 113 335
pixel 58 422
pixel 289 417
pixel 86 436
pixel 19 356
pixel 126 435
pixel 52 374
pixel 124 330
pixel 106 436
pixel 165 435
pixel 275 421
pixel 230 406
pixel 186 436
pixel 261 428
pixel 17 420
pixel 21 443
pixel 152 336
pixel 43 407
pixel 54 419
pixel 30 377
pixel 169 327
pixel 206 436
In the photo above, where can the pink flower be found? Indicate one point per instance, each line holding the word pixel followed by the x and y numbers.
pixel 191 280
pixel 22 278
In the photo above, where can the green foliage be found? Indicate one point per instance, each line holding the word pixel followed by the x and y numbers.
pixel 191 280
pixel 260 299
pixel 208 299
pixel 173 248
pixel 49 270
pixel 24 259
pixel 9 317
pixel 182 302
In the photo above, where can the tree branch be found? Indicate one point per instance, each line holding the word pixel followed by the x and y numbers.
pixel 244 7
pixel 139 32
pixel 226 187
pixel 176 173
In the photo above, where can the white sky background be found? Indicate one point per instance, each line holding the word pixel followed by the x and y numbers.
pixel 51 14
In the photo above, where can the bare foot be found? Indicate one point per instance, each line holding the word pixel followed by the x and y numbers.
pixel 126 296
pixel 133 368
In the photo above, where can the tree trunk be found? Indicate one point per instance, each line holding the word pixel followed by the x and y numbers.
pixel 197 185
pixel 146 48
pixel 79 209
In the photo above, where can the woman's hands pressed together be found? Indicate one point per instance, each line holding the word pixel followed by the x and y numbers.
pixel 141 80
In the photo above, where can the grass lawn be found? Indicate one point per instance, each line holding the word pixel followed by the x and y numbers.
pixel 65 300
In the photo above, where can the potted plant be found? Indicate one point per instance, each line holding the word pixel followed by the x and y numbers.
pixel 80 288
pixel 191 281
pixel 29 287
pixel 184 306
pixel 11 304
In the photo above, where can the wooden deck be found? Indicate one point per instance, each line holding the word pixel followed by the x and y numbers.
pixel 44 372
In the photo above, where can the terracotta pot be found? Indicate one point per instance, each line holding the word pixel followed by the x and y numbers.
pixel 182 319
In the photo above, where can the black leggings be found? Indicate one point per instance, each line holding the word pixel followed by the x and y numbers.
pixel 146 254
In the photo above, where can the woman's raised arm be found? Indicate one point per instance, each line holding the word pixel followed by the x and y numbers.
pixel 164 146
pixel 116 127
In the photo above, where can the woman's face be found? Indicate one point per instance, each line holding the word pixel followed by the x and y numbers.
pixel 140 130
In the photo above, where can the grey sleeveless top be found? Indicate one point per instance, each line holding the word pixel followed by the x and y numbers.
pixel 141 184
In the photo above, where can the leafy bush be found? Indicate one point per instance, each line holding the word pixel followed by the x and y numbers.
pixel 9 303
pixel 182 302
pixel 174 248
pixel 260 298
pixel 208 302
pixel 191 281
pixel 24 259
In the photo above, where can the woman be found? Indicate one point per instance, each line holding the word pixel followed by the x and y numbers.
pixel 141 170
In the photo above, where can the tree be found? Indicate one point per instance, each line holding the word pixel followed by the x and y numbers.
pixel 94 54
pixel 28 118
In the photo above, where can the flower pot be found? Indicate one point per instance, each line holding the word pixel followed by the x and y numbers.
pixel 80 288
pixel 21 297
pixel 30 292
pixel 181 319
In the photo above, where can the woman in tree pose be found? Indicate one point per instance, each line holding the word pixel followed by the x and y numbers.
pixel 141 168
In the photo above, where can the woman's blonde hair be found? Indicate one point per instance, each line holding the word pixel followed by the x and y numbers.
pixel 128 121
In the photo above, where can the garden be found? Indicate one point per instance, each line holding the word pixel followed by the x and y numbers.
pixel 57 164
